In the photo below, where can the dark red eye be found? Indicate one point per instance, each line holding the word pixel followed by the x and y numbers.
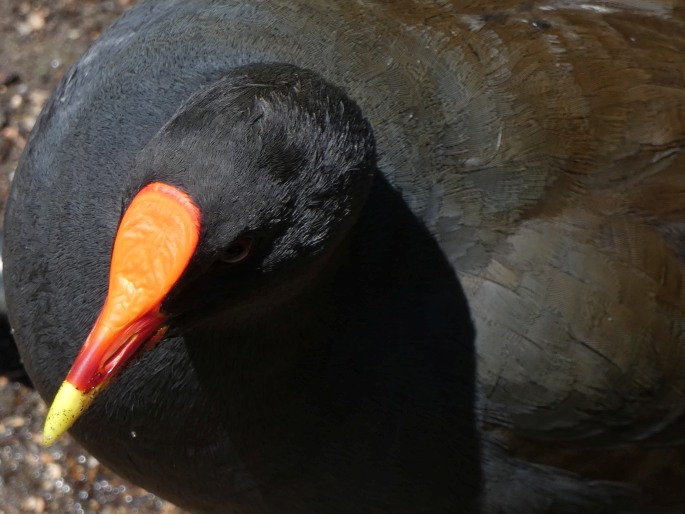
pixel 238 250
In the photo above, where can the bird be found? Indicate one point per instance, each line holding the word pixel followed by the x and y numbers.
pixel 365 257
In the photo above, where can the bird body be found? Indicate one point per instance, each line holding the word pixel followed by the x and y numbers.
pixel 497 327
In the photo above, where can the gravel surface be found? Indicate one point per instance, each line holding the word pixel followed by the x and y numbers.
pixel 39 40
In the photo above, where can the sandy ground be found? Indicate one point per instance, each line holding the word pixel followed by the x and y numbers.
pixel 39 41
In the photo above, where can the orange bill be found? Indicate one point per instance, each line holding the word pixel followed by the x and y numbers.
pixel 156 239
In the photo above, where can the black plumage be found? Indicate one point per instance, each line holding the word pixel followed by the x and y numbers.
pixel 464 291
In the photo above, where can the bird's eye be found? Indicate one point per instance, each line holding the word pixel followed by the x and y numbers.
pixel 238 250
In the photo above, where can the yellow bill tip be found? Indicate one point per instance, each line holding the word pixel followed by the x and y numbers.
pixel 66 408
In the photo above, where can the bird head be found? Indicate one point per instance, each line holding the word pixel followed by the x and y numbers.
pixel 234 204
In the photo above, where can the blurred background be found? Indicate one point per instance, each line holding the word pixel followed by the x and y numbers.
pixel 39 41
